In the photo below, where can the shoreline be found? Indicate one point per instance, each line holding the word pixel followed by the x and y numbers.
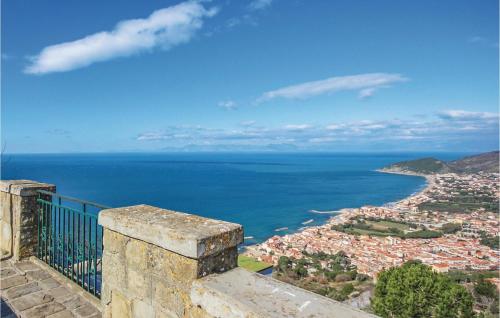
pixel 338 213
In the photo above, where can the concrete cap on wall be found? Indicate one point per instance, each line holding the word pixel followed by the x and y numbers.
pixel 25 187
pixel 240 293
pixel 186 234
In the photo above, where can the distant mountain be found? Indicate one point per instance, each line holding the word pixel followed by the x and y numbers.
pixel 486 162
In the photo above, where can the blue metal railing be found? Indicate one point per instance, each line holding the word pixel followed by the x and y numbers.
pixel 70 238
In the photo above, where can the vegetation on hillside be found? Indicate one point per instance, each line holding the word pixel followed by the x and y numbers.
pixel 415 290
pixel 489 240
pixel 385 227
pixel 332 276
pixel 421 166
pixel 486 162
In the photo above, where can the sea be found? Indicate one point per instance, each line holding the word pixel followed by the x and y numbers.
pixel 269 193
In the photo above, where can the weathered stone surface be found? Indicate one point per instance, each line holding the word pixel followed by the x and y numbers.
pixel 115 243
pixel 48 283
pixel 173 267
pixel 62 314
pixel 26 266
pixel 189 235
pixel 85 311
pixel 218 263
pixel 170 298
pixel 38 298
pixel 137 254
pixel 44 310
pixel 21 290
pixel 18 211
pixel 239 293
pixel 73 302
pixel 120 306
pixel 59 293
pixel 24 187
pixel 139 283
pixel 7 272
pixel 31 300
pixel 37 275
pixel 141 309
pixel 114 270
pixel 13 281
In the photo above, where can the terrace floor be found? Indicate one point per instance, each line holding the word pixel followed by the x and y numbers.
pixel 28 290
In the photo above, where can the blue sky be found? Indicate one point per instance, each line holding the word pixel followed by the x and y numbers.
pixel 254 75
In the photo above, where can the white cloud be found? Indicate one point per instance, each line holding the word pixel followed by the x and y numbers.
pixel 164 28
pixel 228 105
pixel 259 4
pixel 366 83
pixel 248 123
pixel 476 39
pixel 478 129
pixel 367 92
pixel 462 115
pixel 481 40
pixel 300 127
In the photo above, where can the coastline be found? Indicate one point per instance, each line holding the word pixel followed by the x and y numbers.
pixel 339 214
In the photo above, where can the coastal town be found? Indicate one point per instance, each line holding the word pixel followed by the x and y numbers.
pixel 377 238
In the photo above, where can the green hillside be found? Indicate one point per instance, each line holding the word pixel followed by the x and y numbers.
pixel 486 162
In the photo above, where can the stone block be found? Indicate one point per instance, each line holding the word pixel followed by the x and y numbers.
pixel 13 281
pixel 44 310
pixel 172 267
pixel 120 306
pixel 137 255
pixel 62 314
pixel 114 242
pixel 26 266
pixel 31 300
pixel 189 235
pixel 240 293
pixel 170 299
pixel 85 311
pixel 114 271
pixel 7 272
pixel 73 302
pixel 37 275
pixel 24 187
pixel 139 283
pixel 219 262
pixel 59 293
pixel 21 290
pixel 141 309
pixel 48 283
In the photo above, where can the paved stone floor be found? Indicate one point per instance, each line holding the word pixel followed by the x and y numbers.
pixel 28 291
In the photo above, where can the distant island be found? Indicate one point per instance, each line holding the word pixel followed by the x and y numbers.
pixel 485 162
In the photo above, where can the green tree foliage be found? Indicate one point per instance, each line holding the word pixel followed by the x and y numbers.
pixel 414 290
pixel 425 234
pixel 485 288
pixel 450 228
pixel 489 240
pixel 283 264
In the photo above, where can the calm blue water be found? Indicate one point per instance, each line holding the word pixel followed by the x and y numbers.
pixel 263 192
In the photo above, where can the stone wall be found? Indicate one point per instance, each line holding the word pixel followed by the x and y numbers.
pixel 18 221
pixel 152 257
pixel 161 263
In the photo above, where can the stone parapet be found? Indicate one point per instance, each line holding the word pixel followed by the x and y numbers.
pixel 152 256
pixel 18 216
pixel 185 234
pixel 240 293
